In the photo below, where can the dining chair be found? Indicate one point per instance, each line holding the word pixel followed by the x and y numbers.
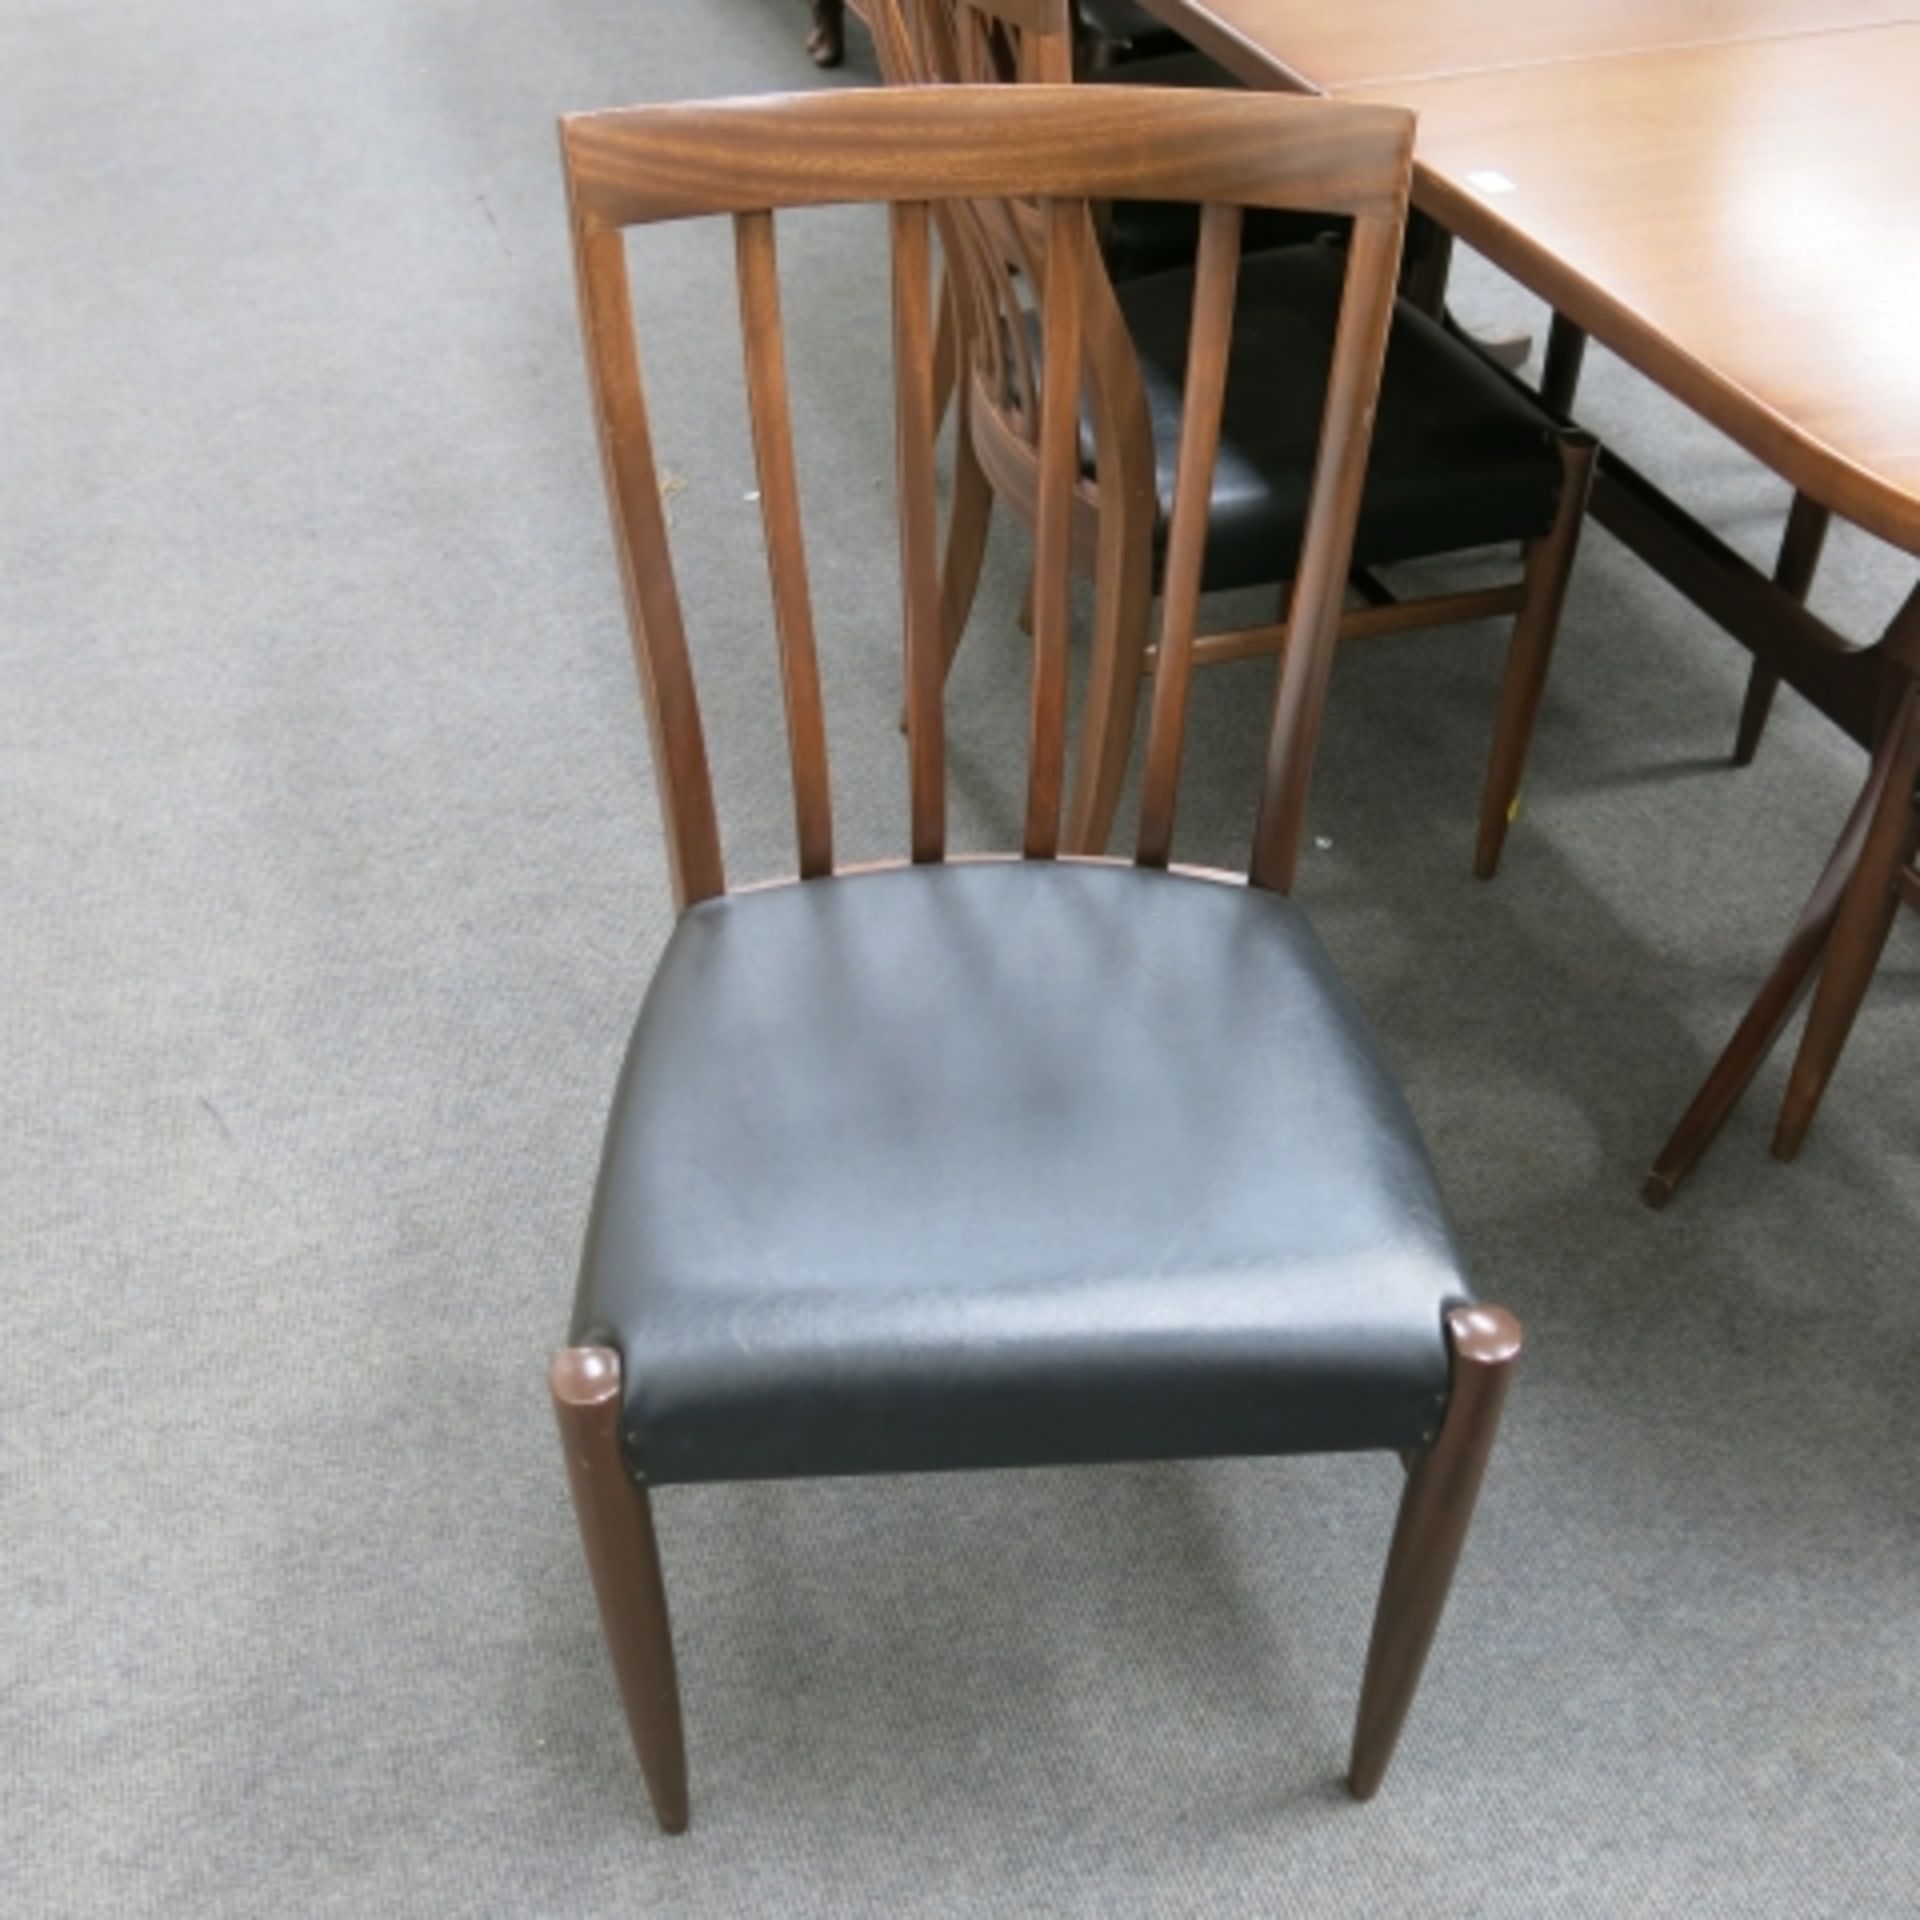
pixel 1019 1160
pixel 1463 457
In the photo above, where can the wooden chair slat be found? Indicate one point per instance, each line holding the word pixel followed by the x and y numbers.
pixel 1326 548
pixel 1059 469
pixel 919 532
pixel 1216 275
pixel 646 567
pixel 786 551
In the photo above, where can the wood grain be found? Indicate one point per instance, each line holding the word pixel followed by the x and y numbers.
pixel 1326 548
pixel 1737 221
pixel 638 164
pixel 1058 463
pixel 1310 44
pixel 919 536
pixel 1216 274
pixel 786 550
pixel 646 567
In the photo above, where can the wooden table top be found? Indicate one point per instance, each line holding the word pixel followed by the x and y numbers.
pixel 1331 45
pixel 1741 221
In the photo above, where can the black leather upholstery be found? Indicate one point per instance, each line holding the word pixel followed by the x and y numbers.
pixel 1009 1164
pixel 1461 457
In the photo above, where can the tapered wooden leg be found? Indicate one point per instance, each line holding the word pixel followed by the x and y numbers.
pixel 1793 573
pixel 1435 1512
pixel 1859 930
pixel 616 1529
pixel 1530 651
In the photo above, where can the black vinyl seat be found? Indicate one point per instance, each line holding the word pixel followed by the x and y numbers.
pixel 1461 456
pixel 1009 1164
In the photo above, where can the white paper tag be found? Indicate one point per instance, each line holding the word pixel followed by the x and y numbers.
pixel 1487 181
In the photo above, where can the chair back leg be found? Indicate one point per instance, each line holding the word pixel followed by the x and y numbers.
pixel 616 1529
pixel 1435 1512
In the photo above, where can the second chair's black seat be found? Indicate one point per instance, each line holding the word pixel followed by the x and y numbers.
pixel 1009 1164
pixel 1461 457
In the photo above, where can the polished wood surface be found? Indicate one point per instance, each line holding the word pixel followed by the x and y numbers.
pixel 1704 183
pixel 1738 221
pixel 1443 1483
pixel 1325 47
pixel 623 1561
pixel 1216 271
pixel 630 165
pixel 779 489
pixel 1720 191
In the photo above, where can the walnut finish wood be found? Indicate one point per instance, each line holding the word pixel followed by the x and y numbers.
pixel 919 560
pixel 633 165
pixel 1216 271
pixel 1058 474
pixel 786 552
pixel 646 567
pixel 1316 46
pixel 1779 171
pixel 1856 877
pixel 1860 928
pixel 616 1530
pixel 1436 1510
pixel 1353 388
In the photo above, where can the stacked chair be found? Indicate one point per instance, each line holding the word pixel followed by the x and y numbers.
pixel 1463 457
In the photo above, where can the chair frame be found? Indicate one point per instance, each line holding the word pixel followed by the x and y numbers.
pixel 916 151
pixel 1115 510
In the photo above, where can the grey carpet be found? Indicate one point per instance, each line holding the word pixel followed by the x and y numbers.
pixel 331 879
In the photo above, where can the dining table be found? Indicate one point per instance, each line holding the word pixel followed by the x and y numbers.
pixel 1723 193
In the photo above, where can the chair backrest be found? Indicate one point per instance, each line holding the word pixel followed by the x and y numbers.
pixel 913 149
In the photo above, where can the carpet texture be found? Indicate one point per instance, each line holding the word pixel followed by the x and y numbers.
pixel 331 881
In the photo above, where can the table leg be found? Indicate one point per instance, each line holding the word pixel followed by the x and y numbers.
pixel 1793 573
pixel 1866 914
pixel 1862 880
pixel 1773 1006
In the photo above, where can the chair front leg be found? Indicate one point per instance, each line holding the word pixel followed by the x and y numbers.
pixel 1530 651
pixel 616 1529
pixel 1435 1512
